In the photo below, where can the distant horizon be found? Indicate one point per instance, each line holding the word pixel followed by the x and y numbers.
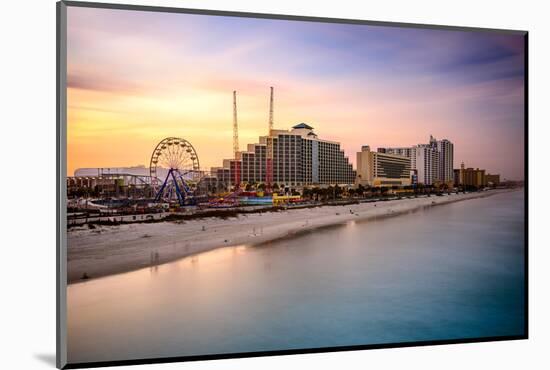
pixel 136 77
pixel 456 165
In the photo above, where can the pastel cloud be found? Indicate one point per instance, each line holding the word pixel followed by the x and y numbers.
pixel 138 76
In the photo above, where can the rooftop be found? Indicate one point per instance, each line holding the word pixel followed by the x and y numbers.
pixel 303 125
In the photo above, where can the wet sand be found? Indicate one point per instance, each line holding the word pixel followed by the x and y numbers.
pixel 108 250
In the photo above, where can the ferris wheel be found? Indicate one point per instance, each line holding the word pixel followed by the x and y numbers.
pixel 174 168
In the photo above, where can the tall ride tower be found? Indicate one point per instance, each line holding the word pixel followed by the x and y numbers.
pixel 235 127
pixel 269 162
pixel 237 169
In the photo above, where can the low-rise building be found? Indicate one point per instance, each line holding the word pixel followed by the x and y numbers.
pixel 492 180
pixel 470 177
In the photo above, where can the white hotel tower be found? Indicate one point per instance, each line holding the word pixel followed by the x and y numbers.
pixel 433 162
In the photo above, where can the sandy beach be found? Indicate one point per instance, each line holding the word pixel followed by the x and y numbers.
pixel 108 250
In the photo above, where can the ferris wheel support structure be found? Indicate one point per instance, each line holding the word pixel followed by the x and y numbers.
pixel 178 157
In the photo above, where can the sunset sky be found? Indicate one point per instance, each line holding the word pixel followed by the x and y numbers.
pixel 137 77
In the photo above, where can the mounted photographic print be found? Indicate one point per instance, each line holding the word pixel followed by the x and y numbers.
pixel 235 184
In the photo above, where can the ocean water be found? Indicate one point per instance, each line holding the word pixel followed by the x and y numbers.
pixel 445 272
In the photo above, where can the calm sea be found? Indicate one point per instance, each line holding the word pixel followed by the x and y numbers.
pixel 445 272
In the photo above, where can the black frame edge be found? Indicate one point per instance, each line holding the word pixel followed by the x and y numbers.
pixel 526 178
pixel 61 115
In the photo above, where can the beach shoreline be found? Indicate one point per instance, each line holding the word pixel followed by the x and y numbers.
pixel 109 250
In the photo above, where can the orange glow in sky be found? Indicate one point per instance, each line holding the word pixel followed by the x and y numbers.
pixel 135 78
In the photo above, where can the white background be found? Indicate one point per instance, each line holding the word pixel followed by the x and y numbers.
pixel 27 186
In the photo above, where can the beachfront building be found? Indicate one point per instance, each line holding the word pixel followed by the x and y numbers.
pixel 407 151
pixel 288 157
pixel 474 177
pixel 382 169
pixel 492 180
pixel 470 177
pixel 457 177
pixel 222 174
pixel 446 157
pixel 300 158
pixel 254 163
pixel 110 181
pixel 426 163
pixel 433 161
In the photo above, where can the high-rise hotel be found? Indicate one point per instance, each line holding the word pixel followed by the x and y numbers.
pixel 432 162
pixel 299 158
pixel 446 159
pixel 382 169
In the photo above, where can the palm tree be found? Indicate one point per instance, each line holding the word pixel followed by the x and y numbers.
pixel 337 191
pixel 360 190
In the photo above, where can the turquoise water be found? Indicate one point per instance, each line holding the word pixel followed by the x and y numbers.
pixel 445 272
